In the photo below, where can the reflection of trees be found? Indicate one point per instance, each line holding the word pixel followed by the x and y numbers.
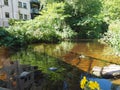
pixel 54 49
pixel 54 79
pixel 42 60
pixel 94 53
pixel 67 50
pixel 96 50
pixel 44 55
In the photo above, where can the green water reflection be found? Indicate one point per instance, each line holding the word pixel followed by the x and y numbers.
pixel 54 79
pixel 58 55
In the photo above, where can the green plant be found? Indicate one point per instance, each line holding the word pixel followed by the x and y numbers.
pixel 111 9
pixel 48 27
pixel 13 21
pixel 111 37
pixel 85 18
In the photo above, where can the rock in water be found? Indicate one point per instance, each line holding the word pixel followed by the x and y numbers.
pixel 112 70
pixel 97 70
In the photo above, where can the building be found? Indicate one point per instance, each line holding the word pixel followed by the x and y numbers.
pixel 18 9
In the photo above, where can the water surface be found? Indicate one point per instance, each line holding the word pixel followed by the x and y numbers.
pixel 47 56
pixel 70 51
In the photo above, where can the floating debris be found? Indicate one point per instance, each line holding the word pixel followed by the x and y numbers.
pixel 82 56
pixel 53 68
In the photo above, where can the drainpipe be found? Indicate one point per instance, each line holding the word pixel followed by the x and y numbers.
pixel 12 9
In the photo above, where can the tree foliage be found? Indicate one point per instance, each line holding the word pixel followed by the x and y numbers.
pixel 111 9
pixel 112 36
pixel 62 19
pixel 84 7
pixel 85 18
pixel 111 14
pixel 8 40
pixel 48 27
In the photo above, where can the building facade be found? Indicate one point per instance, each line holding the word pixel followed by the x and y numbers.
pixel 17 9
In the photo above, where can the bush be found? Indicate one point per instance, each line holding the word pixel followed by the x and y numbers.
pixel 112 37
pixel 13 21
pixel 85 18
pixel 111 9
pixel 48 27
pixel 90 28
pixel 8 40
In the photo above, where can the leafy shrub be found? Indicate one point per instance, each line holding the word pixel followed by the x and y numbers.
pixel 90 28
pixel 111 9
pixel 48 27
pixel 4 37
pixel 85 18
pixel 112 37
pixel 13 21
pixel 8 40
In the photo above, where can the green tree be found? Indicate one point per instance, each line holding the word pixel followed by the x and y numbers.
pixel 84 7
pixel 111 9
pixel 111 14
pixel 85 17
pixel 48 27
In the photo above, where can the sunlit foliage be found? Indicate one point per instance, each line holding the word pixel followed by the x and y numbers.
pixel 111 9
pixel 112 37
pixel 111 14
pixel 48 27
pixel 85 18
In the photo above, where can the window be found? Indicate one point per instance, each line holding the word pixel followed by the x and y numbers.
pixel 7 14
pixel 20 16
pixel 24 5
pixel 6 2
pixel 20 4
pixel 25 17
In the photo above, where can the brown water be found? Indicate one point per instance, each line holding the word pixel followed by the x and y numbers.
pixel 4 61
pixel 4 54
pixel 69 52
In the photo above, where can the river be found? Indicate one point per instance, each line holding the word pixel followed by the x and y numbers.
pixel 68 52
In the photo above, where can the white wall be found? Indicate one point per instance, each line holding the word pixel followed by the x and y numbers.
pixel 13 10
pixel 1 12
pixel 25 11
pixel 14 6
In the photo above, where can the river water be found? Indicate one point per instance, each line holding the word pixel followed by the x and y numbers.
pixel 74 53
pixel 70 52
